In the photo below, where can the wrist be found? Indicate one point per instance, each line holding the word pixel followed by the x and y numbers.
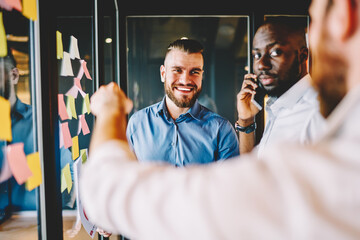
pixel 245 122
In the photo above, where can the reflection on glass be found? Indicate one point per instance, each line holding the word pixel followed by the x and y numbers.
pixel 18 199
pixel 225 41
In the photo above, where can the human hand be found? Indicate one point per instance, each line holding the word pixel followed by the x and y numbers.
pixel 246 109
pixel 109 99
pixel 103 233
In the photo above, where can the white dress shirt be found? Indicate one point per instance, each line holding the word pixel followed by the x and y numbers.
pixel 293 117
pixel 294 192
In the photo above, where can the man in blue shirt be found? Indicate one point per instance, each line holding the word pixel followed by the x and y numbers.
pixel 179 129
pixel 12 194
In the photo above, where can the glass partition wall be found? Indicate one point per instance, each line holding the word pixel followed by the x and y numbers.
pixel 61 57
pixel 226 57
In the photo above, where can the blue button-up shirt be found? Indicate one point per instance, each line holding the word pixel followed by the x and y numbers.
pixel 197 137
pixel 23 131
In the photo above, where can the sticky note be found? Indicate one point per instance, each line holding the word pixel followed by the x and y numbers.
pixel 59 45
pixel 70 106
pixel 83 126
pixel 66 134
pixel 66 68
pixel 29 9
pixel 81 71
pixel 84 155
pixel 10 4
pixel 87 74
pixel 66 181
pixel 62 108
pixel 35 180
pixel 3 42
pixel 17 161
pixel 5 172
pixel 86 104
pixel 5 120
pixel 75 89
pixel 74 50
pixel 75 147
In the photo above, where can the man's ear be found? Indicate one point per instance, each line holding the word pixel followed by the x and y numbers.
pixel 14 76
pixel 304 54
pixel 162 73
pixel 343 17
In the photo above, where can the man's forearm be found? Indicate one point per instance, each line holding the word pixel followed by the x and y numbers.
pixel 246 142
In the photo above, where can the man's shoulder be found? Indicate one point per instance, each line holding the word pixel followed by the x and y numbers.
pixel 147 111
pixel 208 115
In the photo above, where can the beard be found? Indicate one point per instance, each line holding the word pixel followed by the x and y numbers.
pixel 184 101
pixel 329 76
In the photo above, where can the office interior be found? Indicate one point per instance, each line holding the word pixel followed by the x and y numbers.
pixel 105 41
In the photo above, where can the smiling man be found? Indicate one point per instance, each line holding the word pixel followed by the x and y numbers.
pixel 178 130
pixel 293 115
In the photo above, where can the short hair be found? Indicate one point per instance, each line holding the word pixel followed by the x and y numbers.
pixel 292 25
pixel 186 45
pixel 9 59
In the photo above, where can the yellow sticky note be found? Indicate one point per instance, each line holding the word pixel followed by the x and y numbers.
pixel 70 106
pixel 86 104
pixel 66 181
pixel 75 147
pixel 5 120
pixel 59 45
pixel 35 180
pixel 30 9
pixel 3 43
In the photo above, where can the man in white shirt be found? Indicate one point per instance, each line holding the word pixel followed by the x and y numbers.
pixel 280 68
pixel 294 192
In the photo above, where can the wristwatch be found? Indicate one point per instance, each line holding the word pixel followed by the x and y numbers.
pixel 247 129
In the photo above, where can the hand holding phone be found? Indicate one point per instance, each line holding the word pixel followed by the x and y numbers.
pixel 250 98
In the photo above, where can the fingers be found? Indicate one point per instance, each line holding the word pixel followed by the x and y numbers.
pixel 250 81
pixel 110 97
pixel 103 233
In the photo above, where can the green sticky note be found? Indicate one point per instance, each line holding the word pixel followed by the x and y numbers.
pixel 86 105
pixel 59 45
pixel 66 181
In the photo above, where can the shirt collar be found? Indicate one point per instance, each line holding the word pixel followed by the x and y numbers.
pixel 194 111
pixel 291 96
pixel 20 110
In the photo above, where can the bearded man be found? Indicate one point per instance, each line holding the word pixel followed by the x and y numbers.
pixel 294 191
pixel 280 65
pixel 178 130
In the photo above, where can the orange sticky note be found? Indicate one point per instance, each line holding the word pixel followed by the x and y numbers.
pixel 35 180
pixel 62 108
pixel 5 120
pixel 3 42
pixel 30 9
pixel 66 134
pixel 17 161
pixel 75 147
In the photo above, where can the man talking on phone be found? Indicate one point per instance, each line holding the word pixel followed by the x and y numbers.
pixel 280 71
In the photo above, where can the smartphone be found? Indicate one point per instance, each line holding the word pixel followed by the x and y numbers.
pixel 258 98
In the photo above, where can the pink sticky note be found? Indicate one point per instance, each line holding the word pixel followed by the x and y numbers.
pixel 5 173
pixel 83 125
pixel 18 163
pixel 81 70
pixel 77 83
pixel 72 92
pixel 83 64
pixel 66 135
pixel 62 108
pixel 10 4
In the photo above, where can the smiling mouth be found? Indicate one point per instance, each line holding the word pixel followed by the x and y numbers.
pixel 184 89
pixel 266 80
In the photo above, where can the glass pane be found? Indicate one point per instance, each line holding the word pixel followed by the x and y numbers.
pixel 75 89
pixel 225 41
pixel 18 196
